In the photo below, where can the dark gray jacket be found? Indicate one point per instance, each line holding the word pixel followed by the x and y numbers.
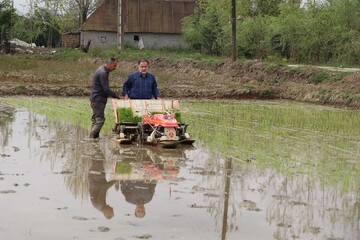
pixel 100 89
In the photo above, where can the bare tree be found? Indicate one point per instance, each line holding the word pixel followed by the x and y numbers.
pixel 86 7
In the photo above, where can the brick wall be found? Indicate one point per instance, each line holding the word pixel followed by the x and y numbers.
pixel 71 40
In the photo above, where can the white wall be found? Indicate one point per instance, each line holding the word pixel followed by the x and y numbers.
pixel 150 40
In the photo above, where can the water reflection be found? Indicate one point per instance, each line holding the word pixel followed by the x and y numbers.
pixel 6 117
pixel 228 169
pixel 98 185
pixel 185 193
pixel 133 170
pixel 138 192
pixel 139 168
pixel 293 206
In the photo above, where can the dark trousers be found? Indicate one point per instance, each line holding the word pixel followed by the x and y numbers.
pixel 98 118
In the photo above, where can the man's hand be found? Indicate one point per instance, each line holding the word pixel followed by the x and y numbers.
pixel 126 97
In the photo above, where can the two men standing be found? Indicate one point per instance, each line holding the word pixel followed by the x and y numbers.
pixel 139 85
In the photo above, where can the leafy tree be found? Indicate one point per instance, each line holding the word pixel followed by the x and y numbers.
pixel 252 8
pixel 7 17
pixel 22 29
pixel 206 29
pixel 48 19
pixel 320 32
pixel 252 37
pixel 191 26
pixel 47 28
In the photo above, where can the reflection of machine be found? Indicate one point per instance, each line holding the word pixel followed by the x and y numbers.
pixel 147 163
pixel 156 122
pixel 168 161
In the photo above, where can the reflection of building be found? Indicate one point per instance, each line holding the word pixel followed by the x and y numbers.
pixel 168 161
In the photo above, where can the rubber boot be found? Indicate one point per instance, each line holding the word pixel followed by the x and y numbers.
pixel 96 127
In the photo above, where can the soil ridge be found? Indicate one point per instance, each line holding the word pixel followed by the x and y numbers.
pixel 196 79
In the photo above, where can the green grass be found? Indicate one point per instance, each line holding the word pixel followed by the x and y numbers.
pixel 295 139
pixel 14 63
pixel 127 54
pixel 319 77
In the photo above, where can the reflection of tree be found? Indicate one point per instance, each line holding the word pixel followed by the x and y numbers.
pixel 219 187
pixel 296 205
pixel 228 169
pixel 6 118
pixel 300 207
pixel 84 160
pixel 67 144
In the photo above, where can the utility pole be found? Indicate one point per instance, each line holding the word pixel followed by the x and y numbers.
pixel 233 29
pixel 120 32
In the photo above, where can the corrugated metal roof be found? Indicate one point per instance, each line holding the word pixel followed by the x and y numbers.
pixel 152 16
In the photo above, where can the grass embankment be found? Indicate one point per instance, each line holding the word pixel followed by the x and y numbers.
pixel 69 71
pixel 182 75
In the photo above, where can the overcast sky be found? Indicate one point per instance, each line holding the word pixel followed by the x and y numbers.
pixel 20 5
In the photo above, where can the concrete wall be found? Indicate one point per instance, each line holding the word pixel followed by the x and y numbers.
pixel 100 39
pixel 150 40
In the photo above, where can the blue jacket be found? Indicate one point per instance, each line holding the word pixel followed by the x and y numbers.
pixel 139 87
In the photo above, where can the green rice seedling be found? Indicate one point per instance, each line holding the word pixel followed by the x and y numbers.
pixel 123 168
pixel 126 115
pixel 292 138
pixel 177 116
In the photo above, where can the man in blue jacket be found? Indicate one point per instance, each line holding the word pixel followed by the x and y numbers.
pixel 100 91
pixel 141 84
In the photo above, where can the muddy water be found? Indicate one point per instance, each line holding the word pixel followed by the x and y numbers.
pixel 57 184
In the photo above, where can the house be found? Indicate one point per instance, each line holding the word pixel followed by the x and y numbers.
pixel 152 24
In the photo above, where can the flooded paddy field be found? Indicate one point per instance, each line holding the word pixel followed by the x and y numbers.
pixel 258 170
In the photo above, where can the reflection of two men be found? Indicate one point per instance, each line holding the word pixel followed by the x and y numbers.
pixel 98 184
pixel 138 192
pixel 138 181
pixel 138 172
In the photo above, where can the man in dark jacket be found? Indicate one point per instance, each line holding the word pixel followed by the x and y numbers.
pixel 100 91
pixel 141 84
